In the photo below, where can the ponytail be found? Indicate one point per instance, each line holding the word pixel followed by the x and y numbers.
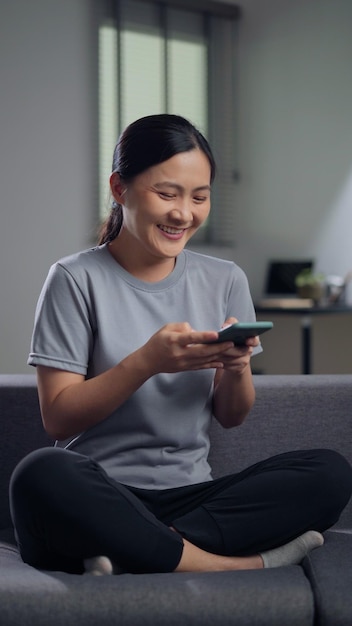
pixel 112 225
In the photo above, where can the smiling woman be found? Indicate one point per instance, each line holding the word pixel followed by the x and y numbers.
pixel 128 388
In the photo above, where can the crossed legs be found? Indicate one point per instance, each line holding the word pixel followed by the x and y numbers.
pixel 66 509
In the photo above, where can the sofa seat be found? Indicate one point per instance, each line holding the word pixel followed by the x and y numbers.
pixel 329 572
pixel 275 597
pixel 290 412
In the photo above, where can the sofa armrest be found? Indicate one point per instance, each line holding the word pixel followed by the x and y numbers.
pixel 21 430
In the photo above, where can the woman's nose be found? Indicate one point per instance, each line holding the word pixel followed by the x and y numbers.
pixel 182 211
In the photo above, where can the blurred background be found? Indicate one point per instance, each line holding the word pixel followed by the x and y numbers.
pixel 278 112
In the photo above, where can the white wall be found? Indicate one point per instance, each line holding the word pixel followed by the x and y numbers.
pixel 294 128
pixel 46 157
pixel 295 133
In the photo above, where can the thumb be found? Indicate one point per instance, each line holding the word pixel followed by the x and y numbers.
pixel 229 321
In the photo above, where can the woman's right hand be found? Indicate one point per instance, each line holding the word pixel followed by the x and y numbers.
pixel 177 347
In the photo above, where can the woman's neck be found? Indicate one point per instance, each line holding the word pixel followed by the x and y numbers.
pixel 150 270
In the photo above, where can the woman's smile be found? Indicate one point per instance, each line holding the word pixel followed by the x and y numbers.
pixel 171 232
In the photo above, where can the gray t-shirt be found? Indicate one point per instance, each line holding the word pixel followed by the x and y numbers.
pixel 92 313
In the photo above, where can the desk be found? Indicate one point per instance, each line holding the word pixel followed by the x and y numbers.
pixel 306 315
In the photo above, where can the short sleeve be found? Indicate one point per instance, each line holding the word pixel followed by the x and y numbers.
pixel 64 326
pixel 240 303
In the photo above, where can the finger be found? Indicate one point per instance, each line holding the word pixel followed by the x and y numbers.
pixel 207 365
pixel 237 351
pixel 234 358
pixel 211 351
pixel 198 337
pixel 178 327
pixel 229 321
pixel 253 341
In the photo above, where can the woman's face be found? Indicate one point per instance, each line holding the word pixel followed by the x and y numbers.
pixel 165 205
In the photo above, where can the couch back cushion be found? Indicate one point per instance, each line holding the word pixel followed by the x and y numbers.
pixel 291 412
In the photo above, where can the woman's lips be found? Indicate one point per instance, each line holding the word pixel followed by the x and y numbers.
pixel 171 233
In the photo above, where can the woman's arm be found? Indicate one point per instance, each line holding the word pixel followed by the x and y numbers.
pixel 71 404
pixel 234 396
pixel 234 392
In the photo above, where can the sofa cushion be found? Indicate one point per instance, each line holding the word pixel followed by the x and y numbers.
pixel 273 597
pixel 329 571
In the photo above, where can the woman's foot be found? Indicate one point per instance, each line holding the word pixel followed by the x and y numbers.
pixel 98 566
pixel 293 552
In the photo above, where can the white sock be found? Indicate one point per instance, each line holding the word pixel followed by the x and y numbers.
pixel 293 552
pixel 98 566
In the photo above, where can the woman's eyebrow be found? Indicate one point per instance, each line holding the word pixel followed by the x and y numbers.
pixel 167 183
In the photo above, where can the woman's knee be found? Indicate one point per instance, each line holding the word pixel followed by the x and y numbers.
pixel 29 467
pixel 37 469
pixel 335 477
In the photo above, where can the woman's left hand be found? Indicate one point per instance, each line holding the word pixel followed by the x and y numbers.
pixel 237 358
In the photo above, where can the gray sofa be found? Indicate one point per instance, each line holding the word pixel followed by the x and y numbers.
pixel 290 412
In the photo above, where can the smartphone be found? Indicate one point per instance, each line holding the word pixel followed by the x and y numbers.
pixel 239 332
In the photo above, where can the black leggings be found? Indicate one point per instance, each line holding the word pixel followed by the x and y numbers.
pixel 65 508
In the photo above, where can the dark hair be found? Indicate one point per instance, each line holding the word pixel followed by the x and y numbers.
pixel 147 142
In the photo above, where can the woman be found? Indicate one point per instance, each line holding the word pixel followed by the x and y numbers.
pixel 128 381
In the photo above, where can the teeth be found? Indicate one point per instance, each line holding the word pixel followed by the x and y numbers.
pixel 171 231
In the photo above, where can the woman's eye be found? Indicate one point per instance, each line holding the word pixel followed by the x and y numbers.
pixel 168 196
pixel 200 199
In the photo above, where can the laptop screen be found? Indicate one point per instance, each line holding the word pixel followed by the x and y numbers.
pixel 281 276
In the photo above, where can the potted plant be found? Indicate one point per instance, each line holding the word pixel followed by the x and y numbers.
pixel 310 285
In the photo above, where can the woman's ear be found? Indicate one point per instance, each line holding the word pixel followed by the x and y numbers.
pixel 117 187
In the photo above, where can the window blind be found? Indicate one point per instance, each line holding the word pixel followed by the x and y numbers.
pixel 157 57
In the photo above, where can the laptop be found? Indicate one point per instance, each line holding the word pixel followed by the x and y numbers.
pixel 280 287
